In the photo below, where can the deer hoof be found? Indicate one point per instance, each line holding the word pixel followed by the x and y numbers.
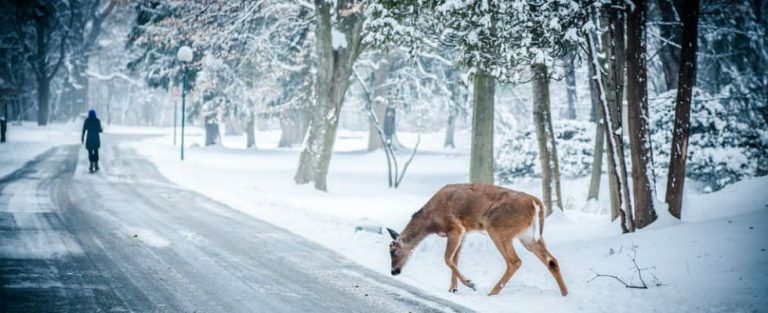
pixel 454 290
pixel 471 285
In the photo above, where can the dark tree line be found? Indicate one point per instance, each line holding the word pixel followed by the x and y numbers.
pixel 39 38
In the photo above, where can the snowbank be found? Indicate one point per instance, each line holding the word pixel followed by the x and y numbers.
pixel 26 141
pixel 715 260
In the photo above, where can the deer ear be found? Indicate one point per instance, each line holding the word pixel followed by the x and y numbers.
pixel 393 234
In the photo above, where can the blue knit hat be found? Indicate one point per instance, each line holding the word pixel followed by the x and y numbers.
pixel 91 113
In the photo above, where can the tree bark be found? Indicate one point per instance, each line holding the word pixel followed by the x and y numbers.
pixel 681 132
pixel 334 68
pixel 481 155
pixel 643 186
pixel 43 95
pixel 542 120
pixel 670 50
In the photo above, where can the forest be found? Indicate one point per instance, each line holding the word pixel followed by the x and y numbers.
pixel 249 147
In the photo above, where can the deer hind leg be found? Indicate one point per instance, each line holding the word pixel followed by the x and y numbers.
pixel 503 242
pixel 539 249
pixel 451 258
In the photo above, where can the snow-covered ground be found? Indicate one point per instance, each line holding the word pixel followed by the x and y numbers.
pixel 28 140
pixel 715 260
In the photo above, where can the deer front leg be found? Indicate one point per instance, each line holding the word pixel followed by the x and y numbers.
pixel 451 258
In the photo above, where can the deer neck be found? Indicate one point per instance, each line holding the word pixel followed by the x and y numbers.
pixel 413 234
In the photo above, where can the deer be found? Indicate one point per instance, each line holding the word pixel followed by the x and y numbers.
pixel 503 214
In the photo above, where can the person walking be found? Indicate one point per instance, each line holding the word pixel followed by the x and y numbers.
pixel 92 125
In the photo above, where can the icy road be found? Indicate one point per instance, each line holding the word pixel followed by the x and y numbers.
pixel 127 240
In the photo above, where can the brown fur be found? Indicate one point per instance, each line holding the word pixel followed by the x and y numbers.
pixel 461 208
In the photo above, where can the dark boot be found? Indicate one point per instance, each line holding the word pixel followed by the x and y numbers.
pixel 90 168
pixel 96 164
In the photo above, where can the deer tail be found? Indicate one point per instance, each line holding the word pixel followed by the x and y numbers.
pixel 538 216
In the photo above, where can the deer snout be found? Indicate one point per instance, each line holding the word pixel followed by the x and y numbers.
pixel 396 272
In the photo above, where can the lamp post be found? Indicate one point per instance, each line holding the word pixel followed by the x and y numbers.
pixel 185 56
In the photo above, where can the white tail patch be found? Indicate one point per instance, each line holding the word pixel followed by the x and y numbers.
pixel 535 224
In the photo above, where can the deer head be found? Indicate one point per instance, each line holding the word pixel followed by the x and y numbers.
pixel 398 252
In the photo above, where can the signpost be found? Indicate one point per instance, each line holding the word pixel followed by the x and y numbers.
pixel 175 99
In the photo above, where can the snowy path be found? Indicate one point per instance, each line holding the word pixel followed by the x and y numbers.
pixel 126 239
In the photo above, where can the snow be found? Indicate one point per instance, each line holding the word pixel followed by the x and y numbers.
pixel 714 260
pixel 338 39
pixel 28 140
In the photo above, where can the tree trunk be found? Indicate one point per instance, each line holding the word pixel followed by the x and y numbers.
pixel 481 155
pixel 570 88
pixel 211 133
pixel 597 152
pixel 451 128
pixel 686 80
pixel 643 186
pixel 43 95
pixel 542 120
pixel 250 131
pixel 613 48
pixel 334 68
pixel 616 164
pixel 670 50
pixel 379 103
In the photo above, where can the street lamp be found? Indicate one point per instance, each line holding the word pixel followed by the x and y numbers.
pixel 185 56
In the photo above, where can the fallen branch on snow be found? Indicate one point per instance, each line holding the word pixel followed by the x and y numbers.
pixel 637 271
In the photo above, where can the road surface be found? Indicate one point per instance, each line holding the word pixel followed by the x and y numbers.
pixel 127 240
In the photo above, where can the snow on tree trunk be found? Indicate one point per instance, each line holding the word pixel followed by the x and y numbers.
pixel 681 132
pixel 613 142
pixel 597 153
pixel 542 120
pixel 338 47
pixel 613 48
pixel 481 155
pixel 643 178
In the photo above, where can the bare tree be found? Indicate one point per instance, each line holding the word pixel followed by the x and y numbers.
pixel 681 131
